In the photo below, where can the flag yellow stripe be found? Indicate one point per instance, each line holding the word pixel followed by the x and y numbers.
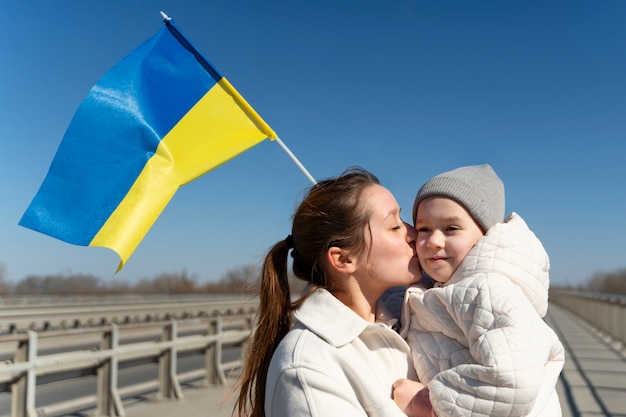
pixel 215 130
pixel 264 127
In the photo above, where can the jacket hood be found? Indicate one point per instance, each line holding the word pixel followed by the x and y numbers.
pixel 511 249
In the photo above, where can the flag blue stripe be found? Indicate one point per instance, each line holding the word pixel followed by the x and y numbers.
pixel 113 134
pixel 186 43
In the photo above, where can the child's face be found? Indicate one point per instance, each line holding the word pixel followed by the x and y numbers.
pixel 445 235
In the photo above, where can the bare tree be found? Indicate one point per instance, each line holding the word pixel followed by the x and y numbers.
pixel 168 283
pixel 609 282
pixel 57 284
pixel 243 279
pixel 4 286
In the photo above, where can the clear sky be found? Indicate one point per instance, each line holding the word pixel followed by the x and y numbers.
pixel 406 89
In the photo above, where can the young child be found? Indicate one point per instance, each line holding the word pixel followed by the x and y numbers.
pixel 478 339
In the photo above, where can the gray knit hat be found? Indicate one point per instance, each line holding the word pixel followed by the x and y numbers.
pixel 477 188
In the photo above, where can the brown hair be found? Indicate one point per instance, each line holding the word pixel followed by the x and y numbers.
pixel 331 214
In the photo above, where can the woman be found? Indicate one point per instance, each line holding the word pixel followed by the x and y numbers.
pixel 333 351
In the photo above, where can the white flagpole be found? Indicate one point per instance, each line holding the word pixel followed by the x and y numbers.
pixel 293 157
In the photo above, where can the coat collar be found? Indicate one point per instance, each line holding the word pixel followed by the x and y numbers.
pixel 333 321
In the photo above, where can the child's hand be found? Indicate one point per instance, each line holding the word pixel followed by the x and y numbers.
pixel 403 391
pixel 421 404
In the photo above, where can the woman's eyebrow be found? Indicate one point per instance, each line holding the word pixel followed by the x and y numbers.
pixel 392 213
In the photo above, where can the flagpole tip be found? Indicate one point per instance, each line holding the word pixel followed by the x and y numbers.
pixel 165 17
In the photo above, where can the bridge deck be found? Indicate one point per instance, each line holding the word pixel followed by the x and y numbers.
pixel 593 381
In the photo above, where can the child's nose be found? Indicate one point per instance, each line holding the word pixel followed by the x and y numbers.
pixel 436 239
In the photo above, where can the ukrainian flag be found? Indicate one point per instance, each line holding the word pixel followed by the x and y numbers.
pixel 160 118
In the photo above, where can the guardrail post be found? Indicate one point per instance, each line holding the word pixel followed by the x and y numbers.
pixel 168 380
pixel 622 322
pixel 213 354
pixel 108 402
pixel 245 346
pixel 23 389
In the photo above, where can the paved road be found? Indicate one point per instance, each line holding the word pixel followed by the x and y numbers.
pixel 212 401
pixel 592 384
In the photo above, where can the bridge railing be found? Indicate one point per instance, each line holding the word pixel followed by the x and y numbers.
pixel 73 300
pixel 208 336
pixel 50 313
pixel 606 312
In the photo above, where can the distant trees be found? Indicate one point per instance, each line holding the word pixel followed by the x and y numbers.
pixel 242 279
pixel 168 283
pixel 77 284
pixel 4 289
pixel 605 282
pixel 609 282
pixel 238 280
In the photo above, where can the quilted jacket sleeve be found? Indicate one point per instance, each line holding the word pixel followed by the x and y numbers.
pixel 511 347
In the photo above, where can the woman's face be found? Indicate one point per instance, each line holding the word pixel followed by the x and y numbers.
pixel 389 256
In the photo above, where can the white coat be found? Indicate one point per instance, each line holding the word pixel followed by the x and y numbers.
pixel 335 363
pixel 479 341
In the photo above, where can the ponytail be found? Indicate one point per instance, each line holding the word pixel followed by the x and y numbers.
pixel 274 321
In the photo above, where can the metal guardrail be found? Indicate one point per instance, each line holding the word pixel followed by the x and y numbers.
pixel 606 312
pixel 50 313
pixel 22 372
pixel 65 300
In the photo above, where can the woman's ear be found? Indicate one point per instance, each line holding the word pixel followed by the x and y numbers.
pixel 341 260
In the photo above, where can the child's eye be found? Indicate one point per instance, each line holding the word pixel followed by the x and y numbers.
pixel 422 229
pixel 452 228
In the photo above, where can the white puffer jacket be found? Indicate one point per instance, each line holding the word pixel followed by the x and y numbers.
pixel 479 342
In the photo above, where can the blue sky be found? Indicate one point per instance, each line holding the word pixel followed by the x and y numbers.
pixel 406 89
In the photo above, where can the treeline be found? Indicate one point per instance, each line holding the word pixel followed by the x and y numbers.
pixel 243 279
pixel 605 282
pixel 240 280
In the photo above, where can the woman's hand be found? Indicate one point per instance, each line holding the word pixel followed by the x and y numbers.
pixel 403 391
